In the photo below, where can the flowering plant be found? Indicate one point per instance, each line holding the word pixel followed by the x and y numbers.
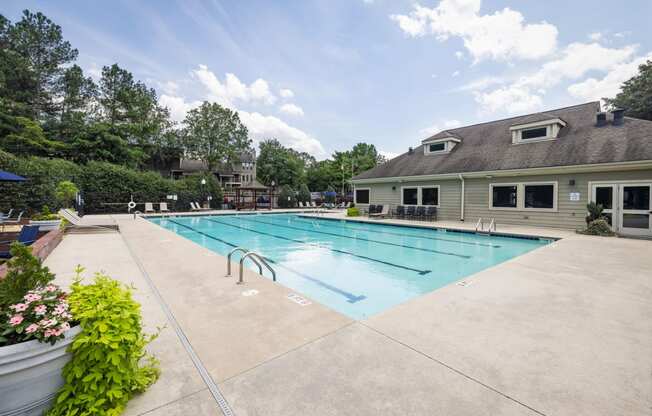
pixel 42 314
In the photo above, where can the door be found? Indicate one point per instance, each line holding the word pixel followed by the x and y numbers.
pixel 635 211
pixel 606 195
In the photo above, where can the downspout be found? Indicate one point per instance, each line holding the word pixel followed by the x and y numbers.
pixel 462 199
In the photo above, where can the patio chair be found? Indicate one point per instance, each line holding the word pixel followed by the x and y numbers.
pixel 6 217
pixel 163 207
pixel 199 207
pixel 313 204
pixel 400 211
pixel 382 213
pixel 301 204
pixel 75 223
pixel 410 211
pixel 371 210
pixel 149 207
pixel 420 213
pixel 27 236
pixel 9 221
pixel 431 213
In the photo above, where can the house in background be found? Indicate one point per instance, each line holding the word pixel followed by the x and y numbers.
pixel 230 176
pixel 540 169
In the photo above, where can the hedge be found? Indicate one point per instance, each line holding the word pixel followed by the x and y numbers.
pixel 105 187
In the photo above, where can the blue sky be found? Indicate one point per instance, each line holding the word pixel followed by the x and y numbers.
pixel 323 75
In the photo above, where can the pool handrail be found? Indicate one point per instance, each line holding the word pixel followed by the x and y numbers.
pixel 254 256
pixel 245 251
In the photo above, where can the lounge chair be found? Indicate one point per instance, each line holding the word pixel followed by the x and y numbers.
pixel 301 204
pixel 149 207
pixel 27 236
pixel 9 221
pixel 6 217
pixel 409 212
pixel 75 223
pixel 313 204
pixel 400 212
pixel 198 207
pixel 163 207
pixel 371 209
pixel 431 213
pixel 420 213
pixel 382 211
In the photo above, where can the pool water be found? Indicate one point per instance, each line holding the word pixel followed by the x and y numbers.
pixel 358 269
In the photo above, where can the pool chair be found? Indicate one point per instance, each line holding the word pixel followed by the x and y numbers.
pixel 149 207
pixel 371 210
pixel 163 207
pixel 431 213
pixel 399 212
pixel 421 212
pixel 9 221
pixel 199 207
pixel 410 212
pixel 7 216
pixel 301 204
pixel 382 213
pixel 313 204
pixel 27 236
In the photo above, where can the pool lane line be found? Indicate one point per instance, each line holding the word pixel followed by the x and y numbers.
pixel 419 271
pixel 350 297
pixel 328 222
pixel 429 250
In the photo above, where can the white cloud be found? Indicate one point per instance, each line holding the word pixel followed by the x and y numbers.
pixel 595 36
pixel 482 83
pixel 94 71
pixel 286 93
pixel 511 99
pixel 177 105
pixel 436 128
pixel 455 74
pixel 291 109
pixel 232 89
pixel 266 127
pixel 609 85
pixel 503 35
pixel 388 155
pixel 459 54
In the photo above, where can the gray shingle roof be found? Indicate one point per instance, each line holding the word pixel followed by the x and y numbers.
pixel 488 146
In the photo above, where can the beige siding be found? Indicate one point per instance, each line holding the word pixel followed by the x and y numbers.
pixel 569 214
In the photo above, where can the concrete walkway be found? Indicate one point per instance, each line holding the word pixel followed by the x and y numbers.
pixel 562 330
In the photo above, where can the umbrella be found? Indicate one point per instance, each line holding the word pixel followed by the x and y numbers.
pixel 10 177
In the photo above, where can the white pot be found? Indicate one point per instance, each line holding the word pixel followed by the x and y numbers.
pixel 46 225
pixel 30 375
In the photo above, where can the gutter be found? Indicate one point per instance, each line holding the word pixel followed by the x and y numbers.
pixel 462 199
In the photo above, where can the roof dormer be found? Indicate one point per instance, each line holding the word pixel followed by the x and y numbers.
pixel 536 131
pixel 440 143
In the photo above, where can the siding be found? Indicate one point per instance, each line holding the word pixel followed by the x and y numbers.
pixel 569 214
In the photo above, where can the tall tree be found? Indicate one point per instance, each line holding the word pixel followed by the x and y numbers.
pixel 636 94
pixel 78 94
pixel 282 165
pixel 40 43
pixel 214 135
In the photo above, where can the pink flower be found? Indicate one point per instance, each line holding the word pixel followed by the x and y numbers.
pixel 31 297
pixel 45 323
pixel 48 333
pixel 51 288
pixel 60 309
pixel 31 328
pixel 64 327
pixel 19 307
pixel 16 319
pixel 40 310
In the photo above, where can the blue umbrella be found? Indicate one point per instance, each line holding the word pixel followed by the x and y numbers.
pixel 10 177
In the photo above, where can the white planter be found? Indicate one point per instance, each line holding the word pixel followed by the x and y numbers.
pixel 30 375
pixel 46 226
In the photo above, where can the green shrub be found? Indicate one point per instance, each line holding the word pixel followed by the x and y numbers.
pixel 304 193
pixel 352 212
pixel 45 215
pixel 594 212
pixel 598 227
pixel 286 197
pixel 24 273
pixel 109 362
pixel 65 193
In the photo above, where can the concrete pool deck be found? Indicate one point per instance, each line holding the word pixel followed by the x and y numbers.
pixel 562 330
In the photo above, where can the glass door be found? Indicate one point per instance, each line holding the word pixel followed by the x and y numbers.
pixel 635 214
pixel 605 195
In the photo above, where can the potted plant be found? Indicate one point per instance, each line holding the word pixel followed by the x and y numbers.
pixel 46 220
pixel 36 327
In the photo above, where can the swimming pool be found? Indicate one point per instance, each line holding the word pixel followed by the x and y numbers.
pixel 358 269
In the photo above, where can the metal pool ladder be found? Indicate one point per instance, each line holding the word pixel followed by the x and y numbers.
pixel 479 226
pixel 259 260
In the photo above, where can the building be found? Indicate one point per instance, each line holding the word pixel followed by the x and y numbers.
pixel 230 176
pixel 540 169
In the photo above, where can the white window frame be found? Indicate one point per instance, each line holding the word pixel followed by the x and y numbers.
pixel 419 189
pixel 520 196
pixel 449 144
pixel 552 126
pixel 355 195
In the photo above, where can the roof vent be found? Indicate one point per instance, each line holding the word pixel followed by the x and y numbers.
pixel 410 150
pixel 601 119
pixel 619 116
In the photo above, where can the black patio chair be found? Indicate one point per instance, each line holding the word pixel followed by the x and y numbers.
pixel 410 211
pixel 431 213
pixel 372 209
pixel 420 212
pixel 400 212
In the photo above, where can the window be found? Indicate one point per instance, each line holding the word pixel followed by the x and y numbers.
pixel 534 133
pixel 437 147
pixel 504 196
pixel 362 196
pixel 430 196
pixel 410 196
pixel 540 196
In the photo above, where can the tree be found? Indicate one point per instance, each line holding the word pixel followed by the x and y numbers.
pixel 287 197
pixel 103 142
pixel 78 94
pixel 280 164
pixel 23 136
pixel 636 94
pixel 304 193
pixel 214 135
pixel 40 43
pixel 65 193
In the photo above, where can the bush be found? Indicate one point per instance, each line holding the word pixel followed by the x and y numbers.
pixel 45 215
pixel 287 197
pixel 31 307
pixel 66 192
pixel 352 212
pixel 304 193
pixel 598 227
pixel 594 212
pixel 109 362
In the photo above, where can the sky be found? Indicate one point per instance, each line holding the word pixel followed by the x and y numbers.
pixel 324 75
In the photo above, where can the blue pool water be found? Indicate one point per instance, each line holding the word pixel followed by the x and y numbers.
pixel 358 269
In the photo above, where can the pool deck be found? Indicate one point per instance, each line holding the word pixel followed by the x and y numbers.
pixel 562 330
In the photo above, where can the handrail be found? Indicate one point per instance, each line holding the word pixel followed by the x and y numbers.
pixel 492 224
pixel 479 224
pixel 245 251
pixel 254 256
pixel 137 213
